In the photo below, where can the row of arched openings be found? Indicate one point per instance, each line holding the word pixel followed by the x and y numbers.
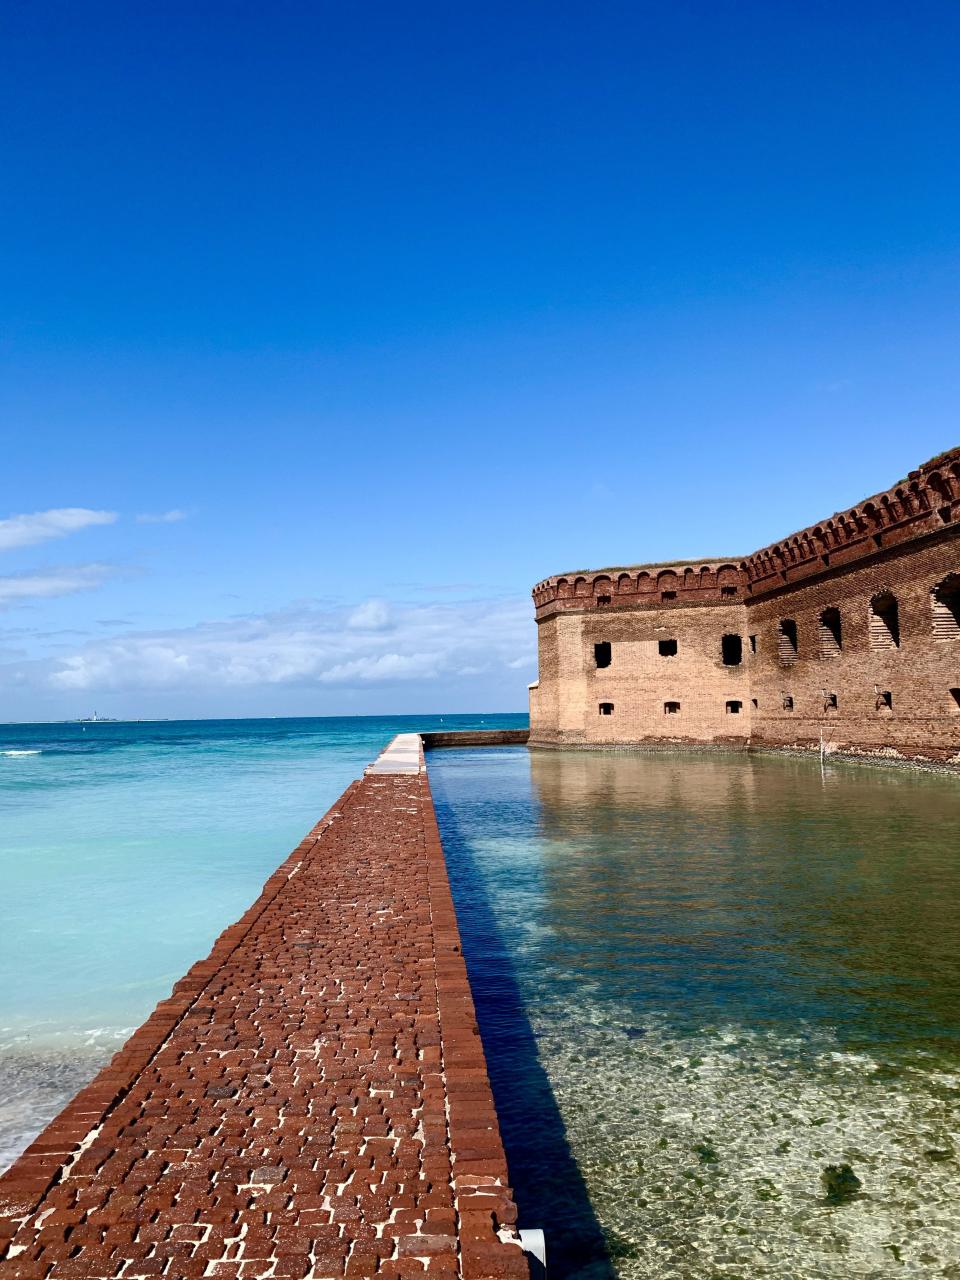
pixel 883 619
pixel 668 583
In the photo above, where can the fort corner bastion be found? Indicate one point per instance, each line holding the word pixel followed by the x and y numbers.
pixel 848 631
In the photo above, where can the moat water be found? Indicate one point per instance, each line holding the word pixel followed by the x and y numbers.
pixel 702 980
pixel 124 850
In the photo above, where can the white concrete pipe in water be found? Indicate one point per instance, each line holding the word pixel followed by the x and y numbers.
pixel 532 1241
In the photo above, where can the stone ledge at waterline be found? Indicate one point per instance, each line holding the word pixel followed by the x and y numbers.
pixel 312 1099
pixel 475 738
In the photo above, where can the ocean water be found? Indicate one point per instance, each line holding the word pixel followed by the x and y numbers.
pixel 703 980
pixel 124 850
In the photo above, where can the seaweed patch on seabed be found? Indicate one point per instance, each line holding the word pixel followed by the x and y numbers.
pixel 741 1154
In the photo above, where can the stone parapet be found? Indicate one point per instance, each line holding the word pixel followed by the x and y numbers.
pixel 651 586
pixel 926 502
pixel 923 504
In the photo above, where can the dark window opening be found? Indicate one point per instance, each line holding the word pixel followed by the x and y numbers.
pixel 830 702
pixel 606 708
pixel 753 644
pixel 671 708
pixel 602 653
pixel 884 700
pixel 733 708
pixel 787 641
pixel 754 703
pixel 668 595
pixel 667 648
pixel 731 650
pixel 728 591
pixel 946 608
pixel 829 633
pixel 884 621
pixel 787 702
pixel 604 599
pixel 955 695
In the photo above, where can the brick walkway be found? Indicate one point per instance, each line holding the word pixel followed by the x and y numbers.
pixel 311 1101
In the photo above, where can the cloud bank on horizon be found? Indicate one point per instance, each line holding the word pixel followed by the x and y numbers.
pixel 371 644
pixel 484 644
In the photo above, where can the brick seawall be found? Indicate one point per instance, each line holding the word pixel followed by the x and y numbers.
pixel 475 738
pixel 312 1100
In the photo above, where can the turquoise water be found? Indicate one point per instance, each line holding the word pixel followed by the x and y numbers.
pixel 701 980
pixel 124 850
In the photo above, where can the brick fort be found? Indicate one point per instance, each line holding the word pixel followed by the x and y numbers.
pixel 847 632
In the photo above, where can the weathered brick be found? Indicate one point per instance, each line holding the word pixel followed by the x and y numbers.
pixel 324 1007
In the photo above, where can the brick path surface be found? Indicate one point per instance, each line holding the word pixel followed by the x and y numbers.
pixel 312 1100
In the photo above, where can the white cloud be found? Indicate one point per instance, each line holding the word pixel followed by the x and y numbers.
pixel 372 615
pixel 46 584
pixel 40 526
pixel 310 647
pixel 161 517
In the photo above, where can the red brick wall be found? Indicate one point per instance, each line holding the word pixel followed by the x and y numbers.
pixel 639 681
pixel 924 719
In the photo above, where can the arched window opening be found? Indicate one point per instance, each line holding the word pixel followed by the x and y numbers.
pixel 955 695
pixel 731 650
pixel 884 621
pixel 946 608
pixel 671 708
pixel 787 641
pixel 603 653
pixel 829 633
pixel 606 708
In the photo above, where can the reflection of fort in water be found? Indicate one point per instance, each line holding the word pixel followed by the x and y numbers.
pixel 712 871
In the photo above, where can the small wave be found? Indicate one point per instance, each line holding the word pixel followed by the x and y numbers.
pixel 21 753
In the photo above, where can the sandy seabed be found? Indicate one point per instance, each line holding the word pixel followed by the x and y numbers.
pixel 703 1153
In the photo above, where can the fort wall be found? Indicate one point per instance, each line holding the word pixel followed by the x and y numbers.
pixel 666 679
pixel 849 629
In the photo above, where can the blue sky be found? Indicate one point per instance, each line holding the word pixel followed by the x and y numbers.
pixel 392 310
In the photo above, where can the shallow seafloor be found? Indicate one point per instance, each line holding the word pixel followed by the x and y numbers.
pixel 125 848
pixel 701 981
